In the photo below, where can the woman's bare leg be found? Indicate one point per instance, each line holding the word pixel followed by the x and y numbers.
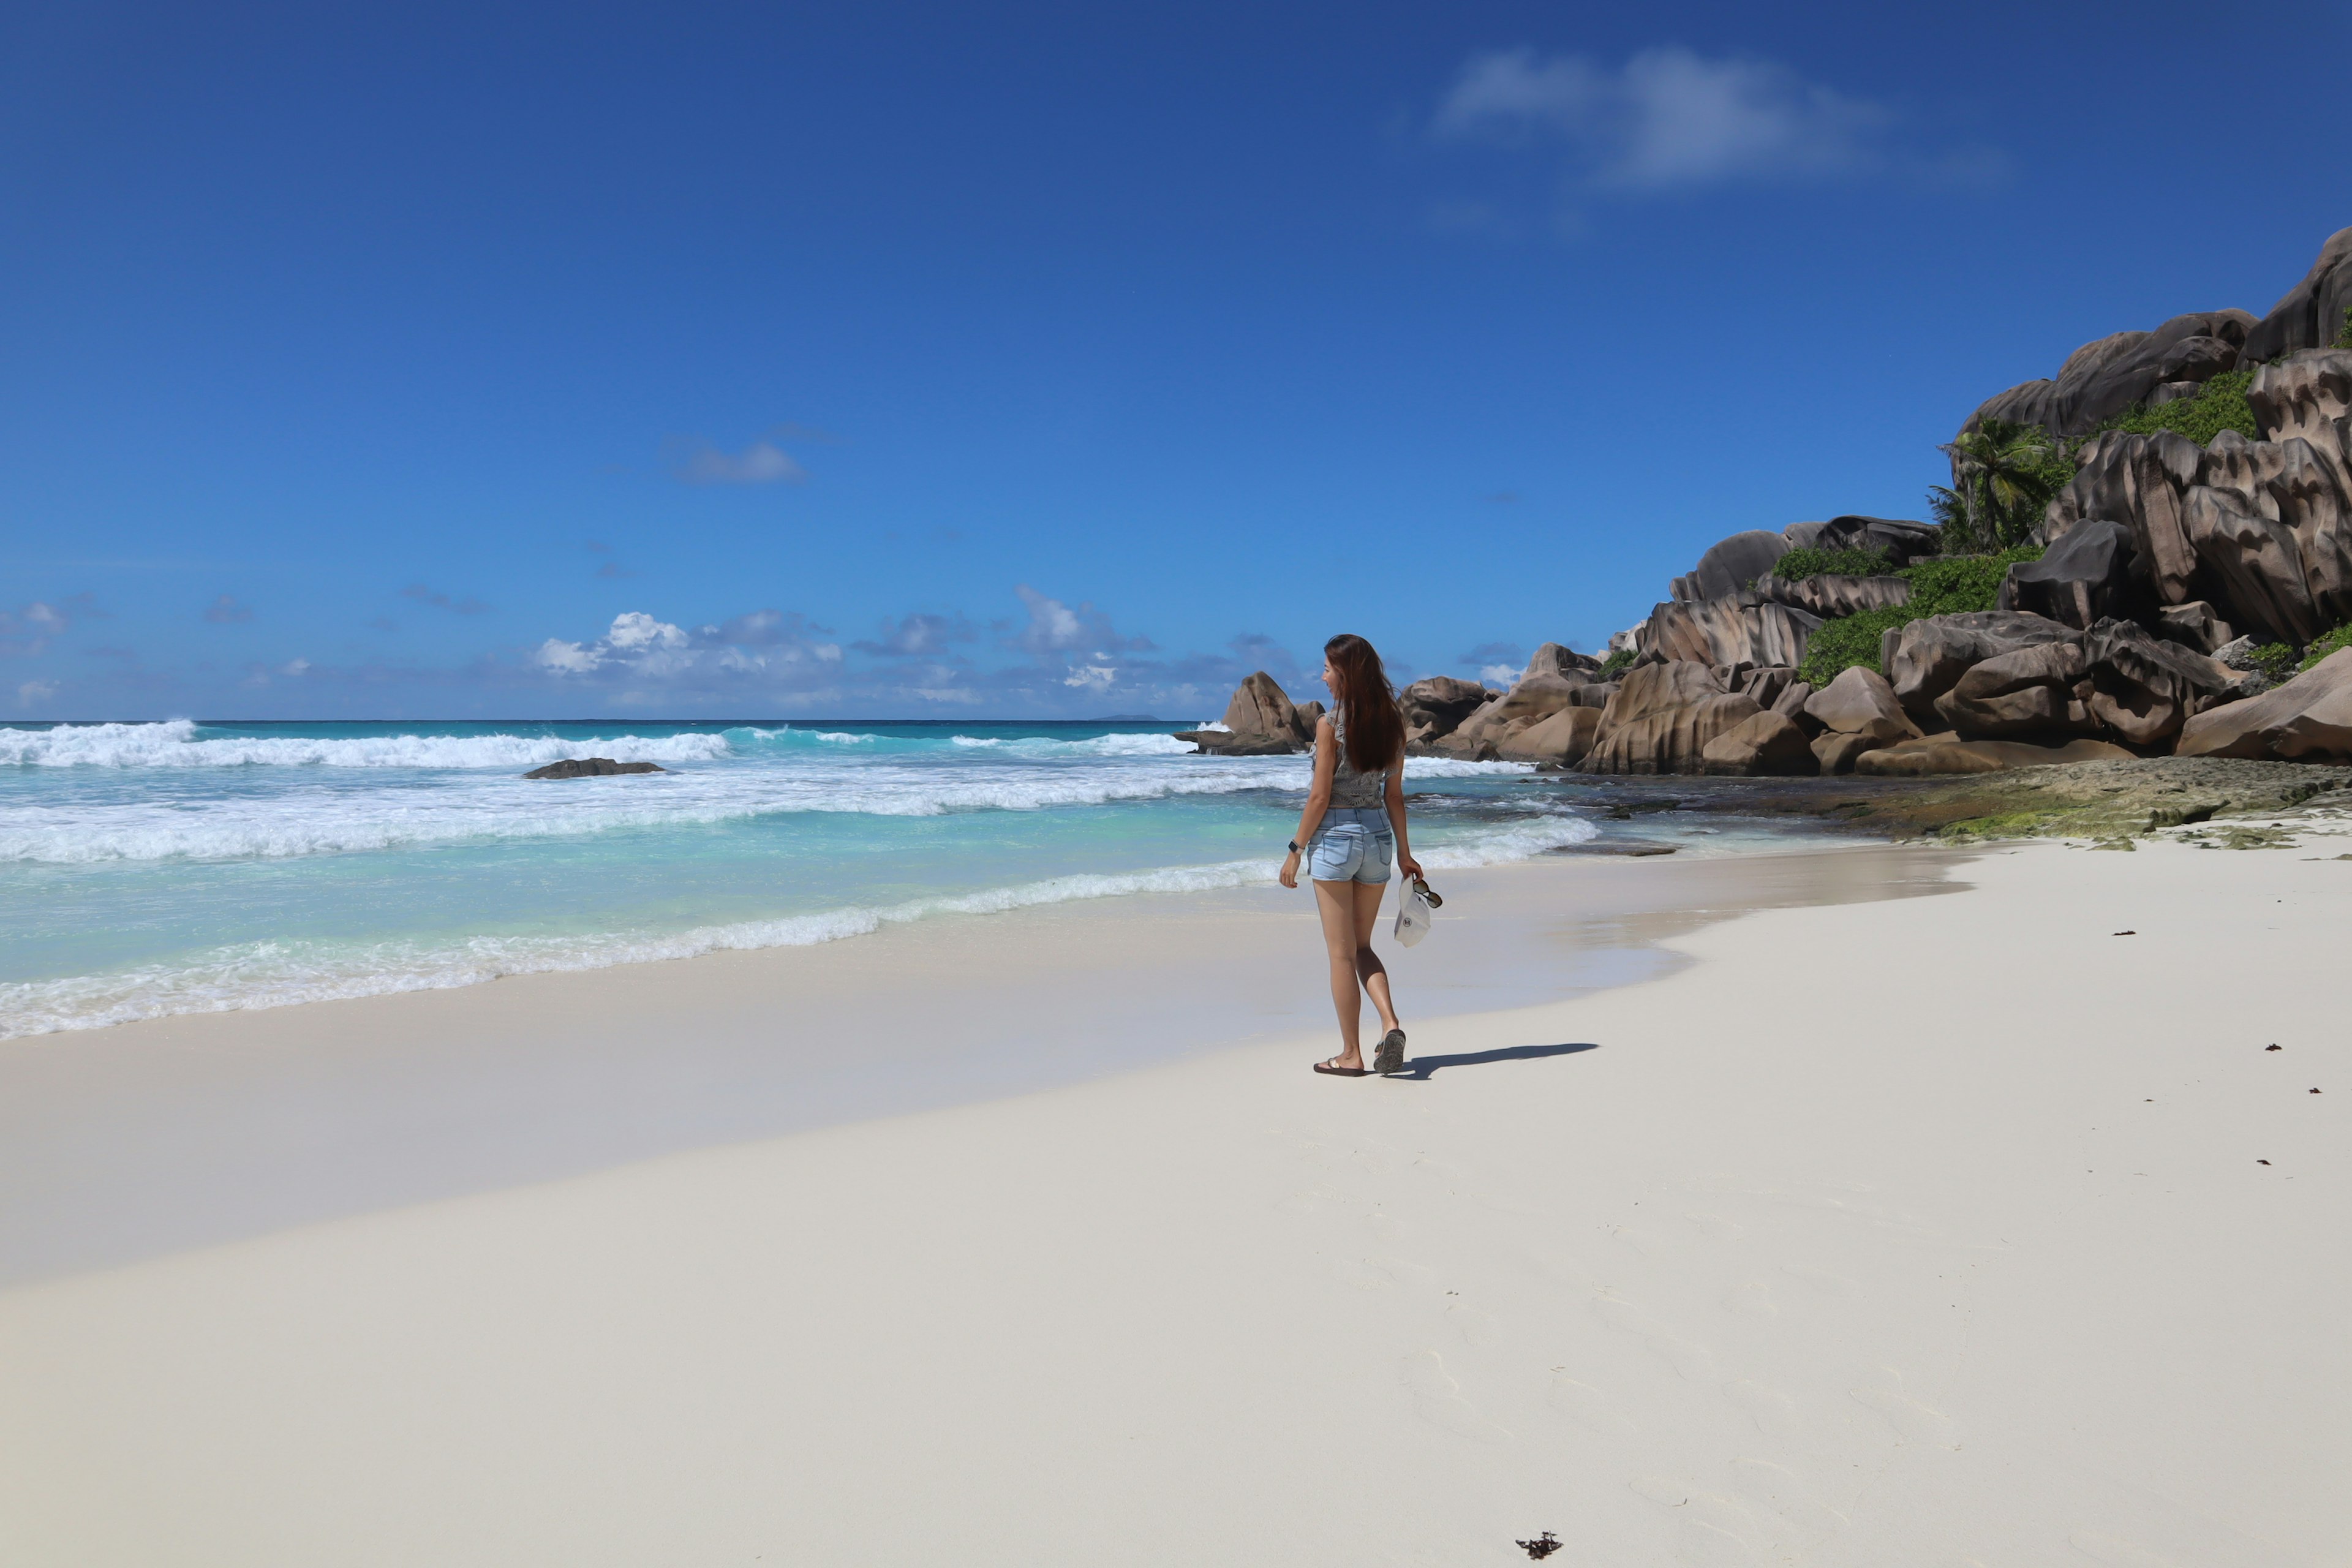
pixel 1368 967
pixel 1336 901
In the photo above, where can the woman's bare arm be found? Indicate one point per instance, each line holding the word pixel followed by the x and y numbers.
pixel 1318 797
pixel 1395 802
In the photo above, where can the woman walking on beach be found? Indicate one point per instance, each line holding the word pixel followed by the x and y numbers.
pixel 1352 828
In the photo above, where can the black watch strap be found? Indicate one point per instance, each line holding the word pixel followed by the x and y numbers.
pixel 1294 849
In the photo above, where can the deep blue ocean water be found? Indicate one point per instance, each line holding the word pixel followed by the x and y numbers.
pixel 165 868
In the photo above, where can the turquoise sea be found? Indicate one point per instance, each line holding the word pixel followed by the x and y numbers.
pixel 153 869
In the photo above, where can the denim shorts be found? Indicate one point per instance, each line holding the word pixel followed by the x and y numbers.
pixel 1353 844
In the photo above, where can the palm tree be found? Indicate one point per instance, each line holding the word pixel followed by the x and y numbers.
pixel 2003 476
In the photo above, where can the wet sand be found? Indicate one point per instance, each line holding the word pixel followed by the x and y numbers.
pixel 151 1137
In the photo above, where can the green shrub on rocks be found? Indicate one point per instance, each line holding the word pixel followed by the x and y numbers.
pixel 1806 561
pixel 2335 641
pixel 1849 640
pixel 1619 661
pixel 1944 585
pixel 2222 405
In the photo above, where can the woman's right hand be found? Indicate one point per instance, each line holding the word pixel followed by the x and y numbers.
pixel 1290 869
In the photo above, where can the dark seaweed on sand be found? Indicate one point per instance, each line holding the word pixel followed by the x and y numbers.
pixel 1542 1547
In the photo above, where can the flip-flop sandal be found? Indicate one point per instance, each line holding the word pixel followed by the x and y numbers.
pixel 1390 1057
pixel 1339 1071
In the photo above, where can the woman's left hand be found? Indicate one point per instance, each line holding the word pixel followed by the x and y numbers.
pixel 1290 869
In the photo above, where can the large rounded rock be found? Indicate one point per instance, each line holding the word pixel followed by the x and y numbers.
pixel 1662 719
pixel 1560 740
pixel 1766 743
pixel 2308 395
pixel 2028 402
pixel 2257 564
pixel 1930 654
pixel 1728 631
pixel 1731 564
pixel 2309 717
pixel 1438 705
pixel 2141 688
pixel 1537 698
pixel 2193 625
pixel 1901 540
pixel 2027 691
pixel 1261 710
pixel 2141 481
pixel 1554 658
pixel 1860 702
pixel 1673 741
pixel 1829 595
pixel 2103 379
pixel 2084 577
pixel 2312 312
pixel 1835 754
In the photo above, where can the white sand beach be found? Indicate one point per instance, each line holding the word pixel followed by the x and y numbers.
pixel 1926 1230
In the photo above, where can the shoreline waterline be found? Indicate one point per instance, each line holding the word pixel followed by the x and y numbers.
pixel 169 870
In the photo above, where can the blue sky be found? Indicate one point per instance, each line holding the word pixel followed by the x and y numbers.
pixel 904 360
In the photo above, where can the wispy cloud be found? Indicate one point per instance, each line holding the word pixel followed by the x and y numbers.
pixel 918 635
pixel 226 611
pixel 469 606
pixel 1055 628
pixel 761 463
pixel 30 630
pixel 1666 119
pixel 33 693
pixel 1493 652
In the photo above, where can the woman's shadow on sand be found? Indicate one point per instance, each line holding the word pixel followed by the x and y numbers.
pixel 1420 1069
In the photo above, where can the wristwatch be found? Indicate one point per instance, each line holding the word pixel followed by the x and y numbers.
pixel 1294 849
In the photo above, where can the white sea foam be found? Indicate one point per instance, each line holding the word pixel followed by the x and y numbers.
pixel 174 744
pixel 289 970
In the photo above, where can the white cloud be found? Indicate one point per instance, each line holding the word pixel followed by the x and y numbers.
pixel 226 611
pixel 1091 676
pixel 634 630
pixel 295 666
pixel 638 645
pixel 1500 673
pixel 33 693
pixel 761 463
pixel 1053 624
pixel 1667 118
pixel 563 658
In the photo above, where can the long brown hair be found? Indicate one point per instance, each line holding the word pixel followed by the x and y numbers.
pixel 1368 704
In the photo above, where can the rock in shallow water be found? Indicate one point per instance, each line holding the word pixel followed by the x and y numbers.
pixel 592 767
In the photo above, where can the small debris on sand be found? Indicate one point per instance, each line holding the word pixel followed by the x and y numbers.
pixel 1542 1547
